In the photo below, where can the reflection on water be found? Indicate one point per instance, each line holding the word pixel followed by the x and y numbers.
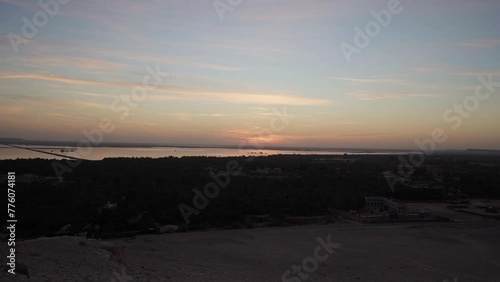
pixel 99 153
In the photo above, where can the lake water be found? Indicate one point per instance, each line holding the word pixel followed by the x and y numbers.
pixel 99 153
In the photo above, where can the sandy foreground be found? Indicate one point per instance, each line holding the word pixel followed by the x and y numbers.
pixel 460 252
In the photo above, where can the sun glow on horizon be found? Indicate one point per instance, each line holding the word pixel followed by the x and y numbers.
pixel 227 78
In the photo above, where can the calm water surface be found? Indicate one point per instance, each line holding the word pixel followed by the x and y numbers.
pixel 99 153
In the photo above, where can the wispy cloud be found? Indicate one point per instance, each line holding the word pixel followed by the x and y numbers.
pixel 366 80
pixel 344 123
pixel 447 71
pixel 20 4
pixel 249 98
pixel 230 75
pixel 296 10
pixel 186 93
pixel 379 96
pixel 61 79
pixel 481 43
pixel 81 63
pixel 386 81
pixel 94 64
pixel 87 104
pixel 193 114
pixel 428 69
pixel 171 60
pixel 475 73
pixel 5 109
pixel 190 116
pixel 89 94
pixel 371 134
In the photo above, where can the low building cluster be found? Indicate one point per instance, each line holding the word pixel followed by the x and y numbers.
pixel 381 209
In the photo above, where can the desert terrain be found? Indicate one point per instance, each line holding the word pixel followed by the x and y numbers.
pixel 423 252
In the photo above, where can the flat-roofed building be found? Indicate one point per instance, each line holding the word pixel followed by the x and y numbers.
pixel 385 202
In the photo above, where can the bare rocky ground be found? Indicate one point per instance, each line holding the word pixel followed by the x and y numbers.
pixel 463 252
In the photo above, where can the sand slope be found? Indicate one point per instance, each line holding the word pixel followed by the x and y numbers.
pixel 404 252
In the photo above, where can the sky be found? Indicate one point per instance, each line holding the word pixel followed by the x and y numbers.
pixel 232 65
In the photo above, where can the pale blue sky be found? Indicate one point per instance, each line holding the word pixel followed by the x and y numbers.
pixel 226 77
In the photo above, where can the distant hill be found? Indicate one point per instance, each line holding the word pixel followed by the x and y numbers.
pixel 11 140
pixel 483 151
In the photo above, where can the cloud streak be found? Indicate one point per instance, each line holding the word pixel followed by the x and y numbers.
pixel 481 43
pixel 369 96
pixel 365 80
pixel 183 92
